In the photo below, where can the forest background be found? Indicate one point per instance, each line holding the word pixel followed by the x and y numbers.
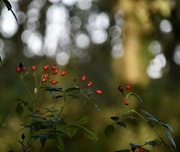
pixel 113 42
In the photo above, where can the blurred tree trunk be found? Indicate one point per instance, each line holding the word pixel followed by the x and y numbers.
pixel 131 62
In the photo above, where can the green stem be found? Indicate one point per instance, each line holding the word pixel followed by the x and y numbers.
pixel 26 88
pixel 155 130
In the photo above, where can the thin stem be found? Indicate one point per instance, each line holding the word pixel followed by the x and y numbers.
pixel 35 78
pixel 26 88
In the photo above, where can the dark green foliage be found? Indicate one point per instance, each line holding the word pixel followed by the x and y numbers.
pixel 109 130
pixel 9 7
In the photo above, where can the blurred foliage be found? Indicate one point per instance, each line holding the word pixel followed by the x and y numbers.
pixel 140 24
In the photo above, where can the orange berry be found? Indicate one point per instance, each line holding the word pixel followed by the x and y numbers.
pixel 89 83
pixel 44 80
pixel 129 86
pixel 141 150
pixel 46 67
pixel 33 68
pixel 53 82
pixel 126 102
pixel 46 75
pixel 55 71
pixel 18 69
pixel 53 67
pixel 100 92
pixel 63 73
pixel 83 78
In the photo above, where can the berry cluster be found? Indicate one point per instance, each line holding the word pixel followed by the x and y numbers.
pixel 121 89
pixel 54 71
pixel 89 84
pixel 46 72
pixel 20 68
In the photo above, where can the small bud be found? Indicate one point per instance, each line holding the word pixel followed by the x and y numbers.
pixel 121 89
pixel 35 90
pixel 23 136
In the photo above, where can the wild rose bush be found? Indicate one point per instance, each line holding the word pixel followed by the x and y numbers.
pixel 148 118
pixel 52 123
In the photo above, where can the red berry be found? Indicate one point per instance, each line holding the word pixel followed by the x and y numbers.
pixel 23 68
pixel 18 69
pixel 53 82
pixel 141 150
pixel 129 86
pixel 126 102
pixel 33 68
pixel 46 75
pixel 100 92
pixel 63 73
pixel 55 71
pixel 46 67
pixel 83 78
pixel 89 83
pixel 53 67
pixel 44 80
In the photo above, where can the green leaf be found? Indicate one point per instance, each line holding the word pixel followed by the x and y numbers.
pixel 19 109
pixel 153 143
pixel 61 126
pixel 166 125
pixel 170 137
pixel 59 143
pixel 73 96
pixel 49 88
pixel 120 123
pixel 72 89
pixel 137 97
pixel 109 130
pixel 134 145
pixel 82 120
pixel 127 116
pixel 36 116
pixel 59 96
pixel 152 119
pixel 125 150
pixel 115 118
pixel 71 130
pixel 145 150
pixel 147 113
pixel 9 7
pixel 89 133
